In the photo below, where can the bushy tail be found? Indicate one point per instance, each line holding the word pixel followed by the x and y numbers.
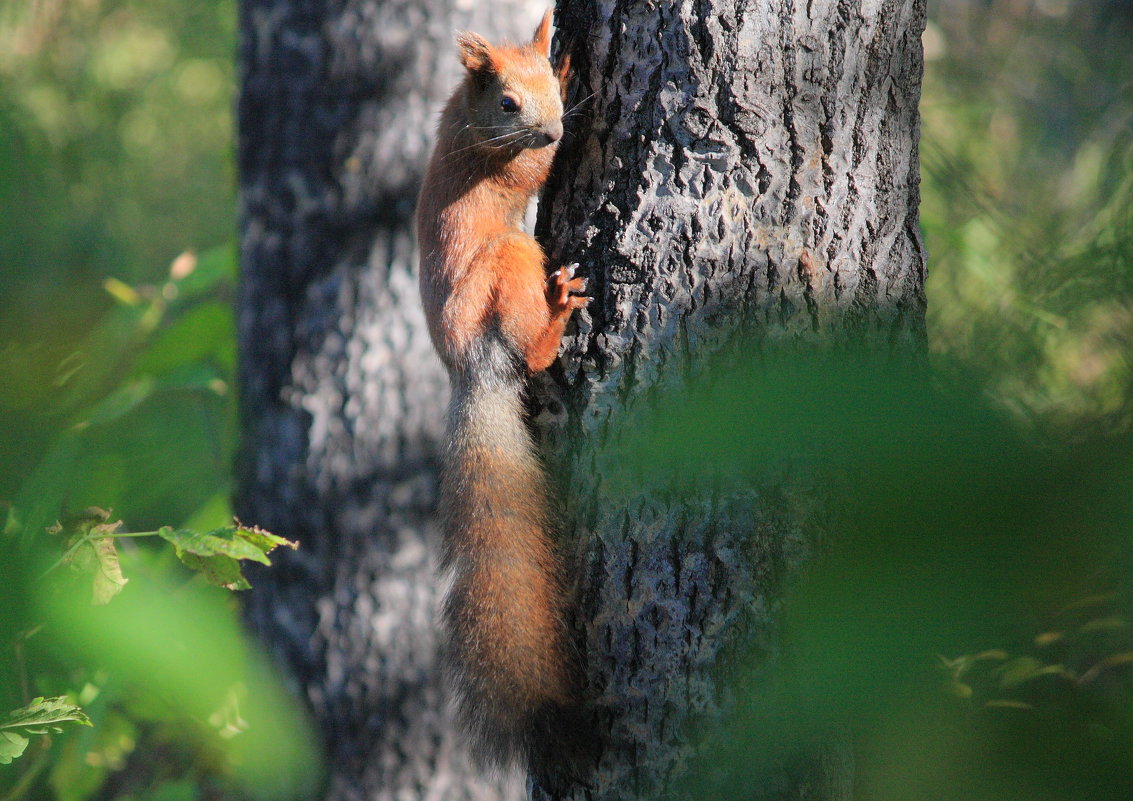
pixel 508 648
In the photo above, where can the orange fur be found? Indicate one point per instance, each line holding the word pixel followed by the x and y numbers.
pixel 495 316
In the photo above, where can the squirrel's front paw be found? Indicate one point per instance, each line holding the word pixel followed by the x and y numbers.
pixel 561 284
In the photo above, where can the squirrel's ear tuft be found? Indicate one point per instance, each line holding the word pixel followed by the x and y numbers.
pixel 475 52
pixel 562 72
pixel 542 40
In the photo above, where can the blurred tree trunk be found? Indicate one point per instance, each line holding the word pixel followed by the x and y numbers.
pixel 342 400
pixel 742 174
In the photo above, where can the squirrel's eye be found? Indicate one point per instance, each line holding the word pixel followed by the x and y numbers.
pixel 509 104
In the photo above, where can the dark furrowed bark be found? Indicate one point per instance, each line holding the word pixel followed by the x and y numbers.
pixel 742 174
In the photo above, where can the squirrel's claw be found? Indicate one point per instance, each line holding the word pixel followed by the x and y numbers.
pixel 563 286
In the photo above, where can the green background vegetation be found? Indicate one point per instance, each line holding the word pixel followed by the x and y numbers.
pixel 117 271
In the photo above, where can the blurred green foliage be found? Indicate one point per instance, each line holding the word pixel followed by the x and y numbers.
pixel 117 354
pixel 135 413
pixel 140 415
pixel 1027 201
pixel 115 150
pixel 966 630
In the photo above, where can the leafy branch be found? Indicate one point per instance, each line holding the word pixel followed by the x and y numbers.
pixel 41 716
pixel 90 551
pixel 216 555
pixel 1092 640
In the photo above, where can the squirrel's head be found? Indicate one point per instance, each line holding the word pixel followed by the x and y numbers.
pixel 515 98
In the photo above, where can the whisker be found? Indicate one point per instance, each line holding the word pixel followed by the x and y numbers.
pixel 489 142
pixel 517 134
pixel 579 103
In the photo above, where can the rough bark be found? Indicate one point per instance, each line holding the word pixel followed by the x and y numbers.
pixel 342 400
pixel 743 173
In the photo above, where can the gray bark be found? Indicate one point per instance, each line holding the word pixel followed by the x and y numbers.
pixel 342 401
pixel 744 173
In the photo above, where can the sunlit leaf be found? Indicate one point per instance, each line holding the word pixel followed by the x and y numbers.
pixel 1008 703
pixel 122 292
pixel 217 554
pixel 959 689
pixel 1111 623
pixel 1111 661
pixel 997 654
pixel 41 716
pixel 1089 602
pixel 12 745
pixel 237 542
pixel 90 550
pixel 1023 669
pixel 108 580
pixel 212 268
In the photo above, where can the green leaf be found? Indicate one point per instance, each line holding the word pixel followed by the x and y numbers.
pixel 1018 670
pixel 211 269
pixel 1111 661
pixel 1025 668
pixel 41 716
pixel 42 493
pixel 1090 601
pixel 107 350
pixel 220 571
pixel 1110 623
pixel 119 402
pixel 264 540
pixel 1007 703
pixel 194 336
pixel 197 377
pixel 92 551
pixel 997 654
pixel 217 554
pixel 108 579
pixel 12 745
pixel 959 689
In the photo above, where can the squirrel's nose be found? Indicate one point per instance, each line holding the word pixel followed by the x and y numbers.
pixel 553 131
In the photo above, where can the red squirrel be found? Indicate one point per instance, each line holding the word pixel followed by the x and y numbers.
pixel 495 318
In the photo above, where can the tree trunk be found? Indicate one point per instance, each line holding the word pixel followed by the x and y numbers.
pixel 743 173
pixel 342 401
